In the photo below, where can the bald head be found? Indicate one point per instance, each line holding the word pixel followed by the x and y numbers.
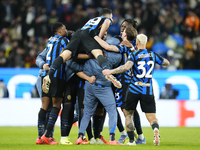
pixel 142 39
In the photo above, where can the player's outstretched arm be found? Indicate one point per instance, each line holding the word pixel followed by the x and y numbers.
pixel 165 62
pixel 105 45
pixel 119 69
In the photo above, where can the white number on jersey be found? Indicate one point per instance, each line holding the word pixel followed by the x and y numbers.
pixel 48 57
pixel 141 67
pixel 93 22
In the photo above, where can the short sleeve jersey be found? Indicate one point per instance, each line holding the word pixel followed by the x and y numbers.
pixel 144 62
pixel 95 24
pixel 55 45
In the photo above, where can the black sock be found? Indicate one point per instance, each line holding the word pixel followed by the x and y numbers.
pixel 155 125
pixel 97 125
pixel 47 119
pixel 65 122
pixel 52 120
pixel 131 136
pixel 56 64
pixel 80 112
pixel 103 120
pixel 71 117
pixel 80 135
pixel 119 122
pixel 103 62
pixel 89 131
pixel 136 120
pixel 112 136
pixel 41 122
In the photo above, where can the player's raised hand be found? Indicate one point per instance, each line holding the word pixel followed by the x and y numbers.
pixel 127 43
pixel 106 72
pixel 92 79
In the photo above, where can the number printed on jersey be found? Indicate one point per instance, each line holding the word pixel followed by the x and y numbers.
pixel 48 56
pixel 92 23
pixel 145 71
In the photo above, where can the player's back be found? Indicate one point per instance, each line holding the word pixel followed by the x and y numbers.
pixel 54 48
pixel 144 62
pixel 94 24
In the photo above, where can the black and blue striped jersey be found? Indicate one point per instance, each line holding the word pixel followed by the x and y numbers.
pixel 144 62
pixel 54 47
pixel 126 76
pixel 95 24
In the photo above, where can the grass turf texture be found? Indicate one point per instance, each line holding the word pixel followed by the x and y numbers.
pixel 23 138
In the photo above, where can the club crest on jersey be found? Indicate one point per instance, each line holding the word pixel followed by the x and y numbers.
pixel 140 83
pixel 69 97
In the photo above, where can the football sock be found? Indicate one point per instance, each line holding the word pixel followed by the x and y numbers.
pixel 89 131
pixel 136 120
pixel 56 64
pixel 123 132
pixel 81 135
pixel 131 136
pixel 71 117
pixel 103 120
pixel 155 125
pixel 47 119
pixel 65 123
pixel 97 125
pixel 80 112
pixel 112 136
pixel 52 120
pixel 103 62
pixel 41 122
pixel 141 136
pixel 64 137
pixel 119 123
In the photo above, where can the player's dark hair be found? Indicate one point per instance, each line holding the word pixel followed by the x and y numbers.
pixel 131 32
pixel 55 27
pixel 105 11
pixel 132 22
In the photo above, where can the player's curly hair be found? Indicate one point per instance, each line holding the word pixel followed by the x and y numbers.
pixel 55 27
pixel 132 22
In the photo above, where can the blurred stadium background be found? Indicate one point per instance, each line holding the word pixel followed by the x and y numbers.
pixel 172 27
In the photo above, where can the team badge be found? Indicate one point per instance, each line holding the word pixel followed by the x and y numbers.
pixel 69 97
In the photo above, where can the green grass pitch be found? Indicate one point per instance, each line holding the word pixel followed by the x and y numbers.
pixel 174 138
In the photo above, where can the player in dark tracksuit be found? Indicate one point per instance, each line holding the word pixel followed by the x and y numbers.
pixel 101 90
pixel 142 63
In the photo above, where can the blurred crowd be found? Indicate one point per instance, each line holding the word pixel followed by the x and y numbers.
pixel 172 26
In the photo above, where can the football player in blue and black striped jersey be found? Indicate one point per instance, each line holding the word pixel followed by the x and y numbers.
pixel 125 79
pixel 54 48
pixel 142 63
